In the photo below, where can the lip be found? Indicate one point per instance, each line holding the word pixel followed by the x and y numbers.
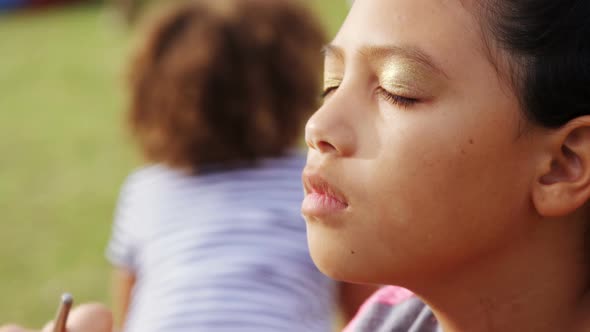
pixel 321 198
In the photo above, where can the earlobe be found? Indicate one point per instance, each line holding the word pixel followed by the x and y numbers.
pixel 563 184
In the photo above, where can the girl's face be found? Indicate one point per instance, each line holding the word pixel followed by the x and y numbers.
pixel 416 165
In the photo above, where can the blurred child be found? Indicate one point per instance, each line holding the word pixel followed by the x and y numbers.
pixel 208 236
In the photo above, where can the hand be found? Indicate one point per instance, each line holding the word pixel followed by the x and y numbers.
pixel 85 318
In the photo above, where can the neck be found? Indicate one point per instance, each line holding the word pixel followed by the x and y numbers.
pixel 537 283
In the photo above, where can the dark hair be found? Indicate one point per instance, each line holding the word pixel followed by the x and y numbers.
pixel 225 81
pixel 548 46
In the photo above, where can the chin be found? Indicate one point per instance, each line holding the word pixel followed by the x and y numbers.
pixel 336 261
pixel 346 270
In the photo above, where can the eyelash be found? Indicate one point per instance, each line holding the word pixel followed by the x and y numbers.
pixel 395 99
pixel 327 91
pixel 388 96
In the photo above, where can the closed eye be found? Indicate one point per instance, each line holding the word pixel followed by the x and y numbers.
pixel 328 91
pixel 395 99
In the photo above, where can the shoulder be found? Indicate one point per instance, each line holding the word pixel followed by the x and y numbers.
pixel 145 186
pixel 393 309
pixel 149 176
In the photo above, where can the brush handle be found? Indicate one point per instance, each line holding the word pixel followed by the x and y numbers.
pixel 63 311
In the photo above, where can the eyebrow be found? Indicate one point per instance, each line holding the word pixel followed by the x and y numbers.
pixel 381 52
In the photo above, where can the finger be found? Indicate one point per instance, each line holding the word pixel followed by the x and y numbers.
pixel 13 328
pixel 86 318
pixel 91 317
pixel 47 328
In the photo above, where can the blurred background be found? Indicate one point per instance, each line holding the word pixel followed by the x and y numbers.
pixel 63 149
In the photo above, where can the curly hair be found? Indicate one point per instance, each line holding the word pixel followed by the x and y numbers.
pixel 225 81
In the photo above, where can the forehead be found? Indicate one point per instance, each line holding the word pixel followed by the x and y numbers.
pixel 446 30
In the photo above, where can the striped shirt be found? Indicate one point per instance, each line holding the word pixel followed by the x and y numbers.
pixel 224 250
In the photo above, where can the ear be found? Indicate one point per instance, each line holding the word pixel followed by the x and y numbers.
pixel 563 183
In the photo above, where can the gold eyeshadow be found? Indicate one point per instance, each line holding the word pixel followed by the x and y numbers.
pixel 395 72
pixel 407 77
pixel 331 81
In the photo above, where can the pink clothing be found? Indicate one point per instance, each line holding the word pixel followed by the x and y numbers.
pixel 388 295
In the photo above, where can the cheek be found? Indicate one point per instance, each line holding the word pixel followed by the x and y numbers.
pixel 446 160
pixel 421 165
pixel 453 191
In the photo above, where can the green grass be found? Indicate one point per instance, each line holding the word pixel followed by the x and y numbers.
pixel 63 153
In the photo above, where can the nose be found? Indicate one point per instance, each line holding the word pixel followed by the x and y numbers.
pixel 330 130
